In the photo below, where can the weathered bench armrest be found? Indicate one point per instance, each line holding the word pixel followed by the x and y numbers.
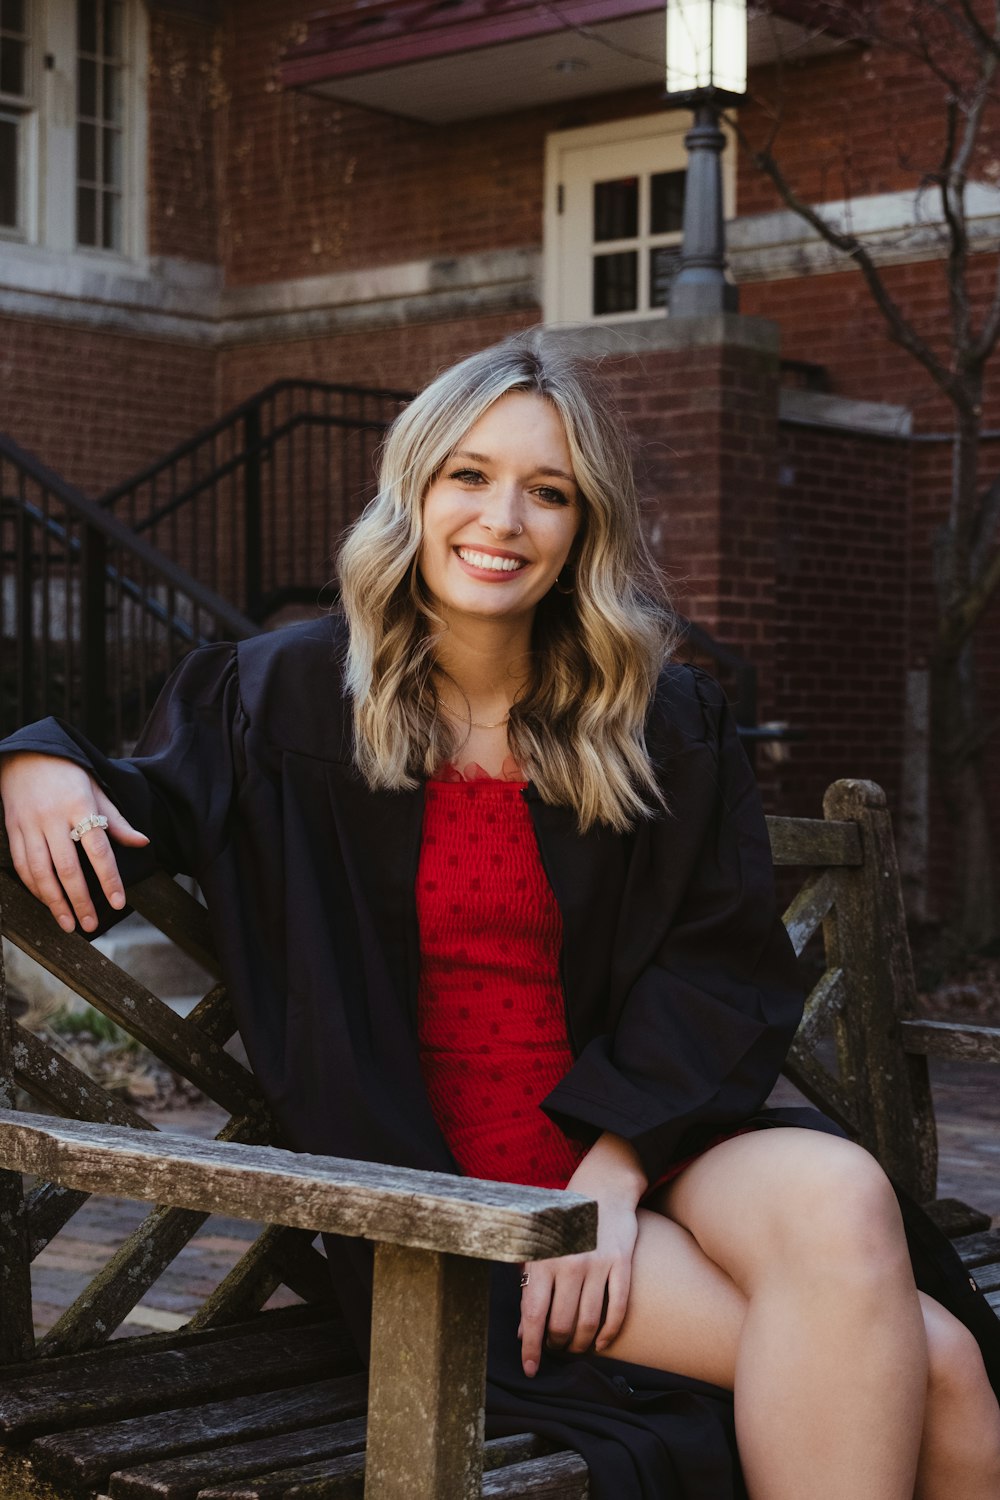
pixel 952 1039
pixel 394 1205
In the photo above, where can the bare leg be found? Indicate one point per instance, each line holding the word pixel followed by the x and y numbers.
pixel 686 1315
pixel 806 1230
pixel 831 1371
pixel 960 1451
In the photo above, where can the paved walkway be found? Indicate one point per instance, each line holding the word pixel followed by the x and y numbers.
pixel 968 1111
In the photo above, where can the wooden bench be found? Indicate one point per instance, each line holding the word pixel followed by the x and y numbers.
pixel 252 1405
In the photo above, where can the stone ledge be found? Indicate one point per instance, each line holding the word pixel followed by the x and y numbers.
pixel 643 336
pixel 819 409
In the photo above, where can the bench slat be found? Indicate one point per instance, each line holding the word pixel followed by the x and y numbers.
pixel 824 1003
pixel 82 1390
pixel 177 914
pixel 84 1458
pixel 173 1039
pixel 814 841
pixel 560 1476
pixel 425 1210
pixel 820 1087
pixel 554 1476
pixel 278 1256
pixel 812 903
pixel 182 1478
pixel 979 1249
pixel 952 1039
pixel 107 1300
pixel 987 1278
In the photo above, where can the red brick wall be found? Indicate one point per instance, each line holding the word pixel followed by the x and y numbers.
pixel 95 406
pixel 404 358
pixel 841 610
pixel 186 95
pixel 889 134
pixel 831 320
pixel 703 420
pixel 312 186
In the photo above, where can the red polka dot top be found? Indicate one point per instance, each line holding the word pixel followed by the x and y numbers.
pixel 492 1027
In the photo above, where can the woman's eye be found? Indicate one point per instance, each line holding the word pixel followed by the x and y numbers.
pixel 467 476
pixel 552 495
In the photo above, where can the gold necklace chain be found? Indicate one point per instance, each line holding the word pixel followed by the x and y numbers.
pixel 472 723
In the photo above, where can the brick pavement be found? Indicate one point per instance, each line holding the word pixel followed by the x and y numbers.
pixel 968 1105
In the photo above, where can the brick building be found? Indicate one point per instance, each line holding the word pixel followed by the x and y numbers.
pixel 199 199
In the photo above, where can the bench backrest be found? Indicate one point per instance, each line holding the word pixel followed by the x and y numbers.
pixel 850 900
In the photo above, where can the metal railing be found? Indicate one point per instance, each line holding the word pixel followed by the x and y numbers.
pixel 253 505
pixel 92 617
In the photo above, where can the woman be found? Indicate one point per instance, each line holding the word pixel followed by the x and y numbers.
pixel 491 887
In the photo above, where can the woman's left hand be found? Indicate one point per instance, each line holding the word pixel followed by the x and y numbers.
pixel 576 1302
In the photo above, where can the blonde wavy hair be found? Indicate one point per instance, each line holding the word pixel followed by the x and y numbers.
pixel 577 728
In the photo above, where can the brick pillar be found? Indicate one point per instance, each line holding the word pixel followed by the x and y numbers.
pixel 701 397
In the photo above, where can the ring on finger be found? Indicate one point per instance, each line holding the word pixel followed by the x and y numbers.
pixel 86 825
pixel 525 1278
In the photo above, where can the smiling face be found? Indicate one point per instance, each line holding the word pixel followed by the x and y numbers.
pixel 500 518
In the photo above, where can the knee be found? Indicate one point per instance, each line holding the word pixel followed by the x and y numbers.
pixel 962 1421
pixel 955 1371
pixel 839 1217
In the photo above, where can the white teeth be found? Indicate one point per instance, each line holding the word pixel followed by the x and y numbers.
pixel 485 560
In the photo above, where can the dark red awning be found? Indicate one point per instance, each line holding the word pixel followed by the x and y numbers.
pixel 444 60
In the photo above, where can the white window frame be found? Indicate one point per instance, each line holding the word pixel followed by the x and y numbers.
pixel 25 110
pixel 568 219
pixel 48 147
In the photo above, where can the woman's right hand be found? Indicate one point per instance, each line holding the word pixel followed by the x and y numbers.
pixel 44 798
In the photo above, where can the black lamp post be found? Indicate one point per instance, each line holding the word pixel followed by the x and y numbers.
pixel 706 71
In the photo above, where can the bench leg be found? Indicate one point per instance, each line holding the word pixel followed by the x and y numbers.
pixel 428 1376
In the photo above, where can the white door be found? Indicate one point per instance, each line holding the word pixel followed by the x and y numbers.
pixel 614 214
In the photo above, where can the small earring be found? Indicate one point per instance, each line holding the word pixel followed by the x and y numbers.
pixel 564 590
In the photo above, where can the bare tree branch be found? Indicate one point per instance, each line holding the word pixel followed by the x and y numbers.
pixel 986 528
pixel 899 329
pixel 984 345
pixel 958 623
pixel 952 207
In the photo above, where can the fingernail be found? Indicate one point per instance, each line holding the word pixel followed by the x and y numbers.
pixel 89 923
pixel 530 1367
pixel 118 900
pixel 66 923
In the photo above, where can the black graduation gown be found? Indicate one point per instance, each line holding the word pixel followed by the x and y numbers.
pixel 680 983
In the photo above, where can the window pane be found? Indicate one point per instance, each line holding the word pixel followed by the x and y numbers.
pixel 111 226
pixel 86 23
pixel 112 159
pixel 616 282
pixel 12 17
pixel 86 216
pixel 86 153
pixel 616 209
pixel 666 211
pixel 8 174
pixel 87 85
pixel 12 70
pixel 113 93
pixel 114 29
pixel 664 263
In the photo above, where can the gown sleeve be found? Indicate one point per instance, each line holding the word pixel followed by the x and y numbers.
pixel 704 1028
pixel 179 784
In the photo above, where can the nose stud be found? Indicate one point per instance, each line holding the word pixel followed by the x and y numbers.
pixel 508 531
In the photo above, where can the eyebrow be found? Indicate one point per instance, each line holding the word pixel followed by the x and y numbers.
pixel 484 458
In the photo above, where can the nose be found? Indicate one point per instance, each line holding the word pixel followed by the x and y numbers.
pixel 500 515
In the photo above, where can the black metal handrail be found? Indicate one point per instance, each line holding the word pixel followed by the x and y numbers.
pixel 93 616
pixel 254 504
